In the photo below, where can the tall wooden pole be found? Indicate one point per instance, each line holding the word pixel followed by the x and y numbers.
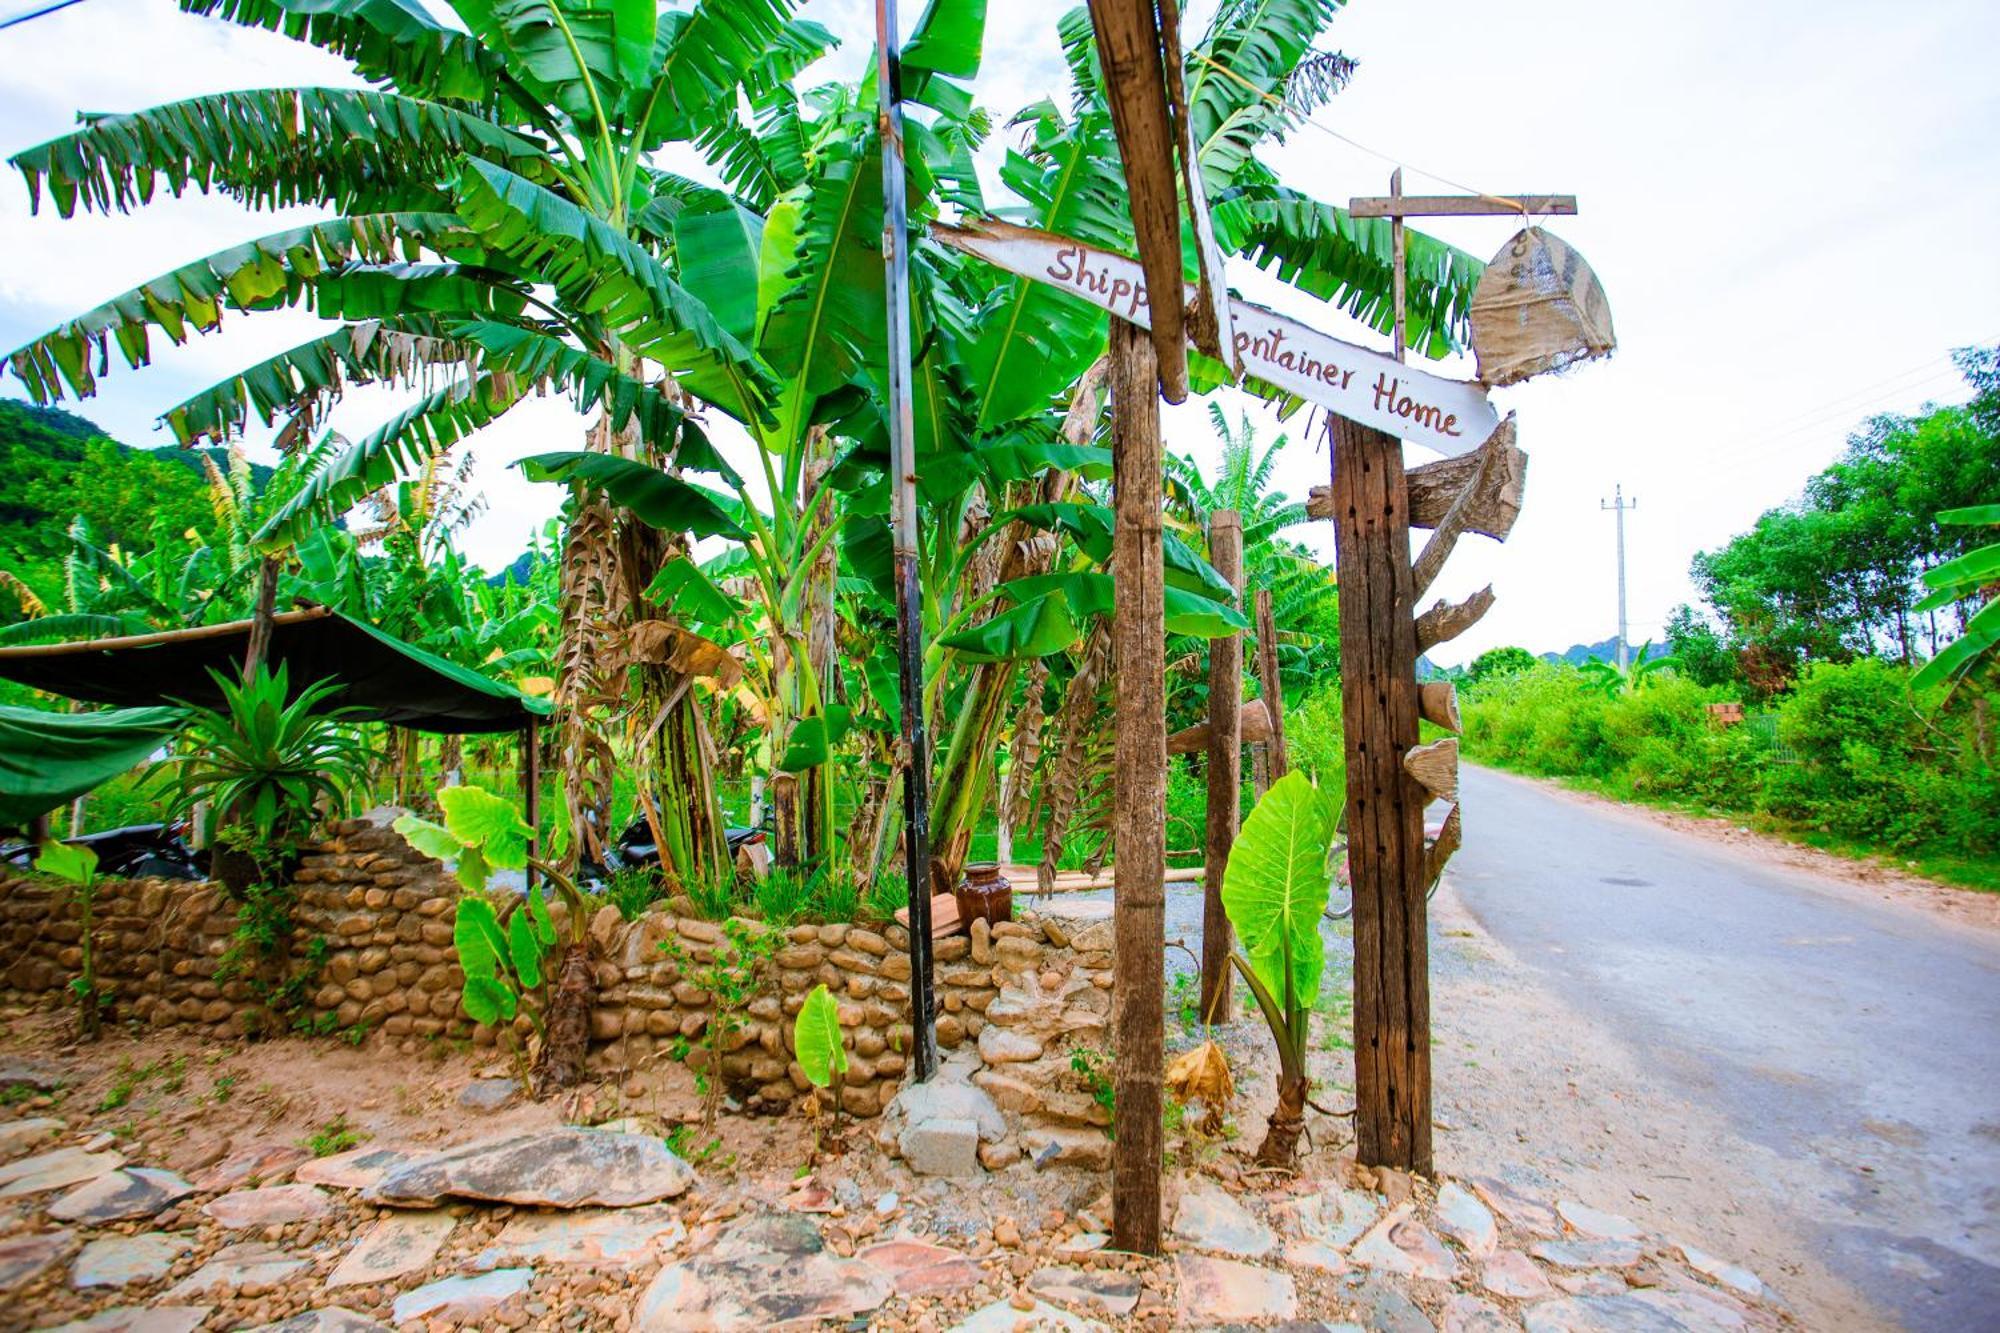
pixel 1225 775
pixel 1385 806
pixel 1279 762
pixel 1139 820
pixel 909 588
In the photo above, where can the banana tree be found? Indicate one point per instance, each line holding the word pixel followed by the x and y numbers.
pixel 500 229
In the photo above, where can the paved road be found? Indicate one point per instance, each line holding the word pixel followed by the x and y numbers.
pixel 1859 1037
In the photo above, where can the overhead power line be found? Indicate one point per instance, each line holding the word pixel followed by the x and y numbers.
pixel 35 11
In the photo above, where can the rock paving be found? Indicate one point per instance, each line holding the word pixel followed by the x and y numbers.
pixel 119 1196
pixel 570 1228
pixel 121 1261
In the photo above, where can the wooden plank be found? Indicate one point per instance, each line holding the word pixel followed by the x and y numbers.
pixel 943 915
pixel 1437 701
pixel 1447 415
pixel 1385 807
pixel 1135 84
pixel 1267 678
pixel 1210 324
pixel 1139 827
pixel 1397 205
pixel 1445 621
pixel 1225 775
pixel 1435 767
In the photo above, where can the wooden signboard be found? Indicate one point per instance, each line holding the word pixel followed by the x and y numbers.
pixel 1446 415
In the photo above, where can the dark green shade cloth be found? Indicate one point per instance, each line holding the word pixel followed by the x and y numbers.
pixel 49 759
pixel 384 678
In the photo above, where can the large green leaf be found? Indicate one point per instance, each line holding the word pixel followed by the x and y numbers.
pixel 524 951
pixel 816 1039
pixel 813 739
pixel 683 588
pixel 396 42
pixel 434 840
pixel 1090 526
pixel 603 272
pixel 717 242
pixel 1035 628
pixel 272 271
pixel 305 378
pixel 477 936
pixel 1274 888
pixel 269 148
pixel 705 58
pixel 1981 637
pixel 488 1000
pixel 478 818
pixel 67 861
pixel 948 38
pixel 340 474
pixel 582 56
pixel 657 499
pixel 1348 261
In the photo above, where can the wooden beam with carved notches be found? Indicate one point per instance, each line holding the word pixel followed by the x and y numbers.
pixel 1491 488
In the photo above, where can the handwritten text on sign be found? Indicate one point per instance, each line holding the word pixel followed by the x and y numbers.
pixel 1449 416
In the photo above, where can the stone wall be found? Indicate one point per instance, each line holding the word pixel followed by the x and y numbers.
pixel 1014 1000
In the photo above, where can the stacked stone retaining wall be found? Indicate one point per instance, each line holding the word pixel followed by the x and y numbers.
pixel 377 916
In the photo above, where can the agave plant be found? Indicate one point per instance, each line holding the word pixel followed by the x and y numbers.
pixel 268 762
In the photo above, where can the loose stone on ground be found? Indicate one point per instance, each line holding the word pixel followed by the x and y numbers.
pixel 1225 1289
pixel 463 1298
pixel 279 1205
pixel 1210 1219
pixel 393 1247
pixel 608 1236
pixel 55 1170
pixel 24 1257
pixel 1099 1290
pixel 119 1261
pixel 563 1167
pixel 118 1196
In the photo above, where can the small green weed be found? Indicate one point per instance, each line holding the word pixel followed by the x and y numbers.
pixel 335 1136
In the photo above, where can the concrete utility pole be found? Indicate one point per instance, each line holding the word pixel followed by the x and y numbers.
pixel 1619 505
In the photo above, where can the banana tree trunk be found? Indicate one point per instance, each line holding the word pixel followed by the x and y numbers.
pixel 969 759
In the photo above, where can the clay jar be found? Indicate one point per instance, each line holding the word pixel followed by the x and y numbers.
pixel 985 892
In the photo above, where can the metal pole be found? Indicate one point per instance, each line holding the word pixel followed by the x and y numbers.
pixel 909 587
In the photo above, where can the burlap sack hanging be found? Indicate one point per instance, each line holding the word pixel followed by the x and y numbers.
pixel 1538 308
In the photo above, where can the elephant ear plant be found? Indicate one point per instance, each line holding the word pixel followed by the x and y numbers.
pixel 505 954
pixel 78 867
pixel 1274 891
pixel 818 1045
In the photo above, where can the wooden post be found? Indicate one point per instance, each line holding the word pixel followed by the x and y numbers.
pixel 1225 775
pixel 1139 819
pixel 1385 805
pixel 531 791
pixel 262 618
pixel 1267 676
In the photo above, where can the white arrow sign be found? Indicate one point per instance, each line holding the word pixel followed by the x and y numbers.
pixel 1449 416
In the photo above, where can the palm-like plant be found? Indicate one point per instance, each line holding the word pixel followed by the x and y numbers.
pixel 1612 681
pixel 267 762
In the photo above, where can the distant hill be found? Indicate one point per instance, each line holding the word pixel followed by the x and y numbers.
pixel 55 465
pixel 1607 650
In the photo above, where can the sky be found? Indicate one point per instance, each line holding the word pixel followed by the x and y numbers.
pixel 1791 207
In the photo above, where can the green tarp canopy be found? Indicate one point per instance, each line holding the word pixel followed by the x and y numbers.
pixel 49 759
pixel 384 678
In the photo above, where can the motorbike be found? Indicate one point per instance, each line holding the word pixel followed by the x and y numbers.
pixel 137 851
